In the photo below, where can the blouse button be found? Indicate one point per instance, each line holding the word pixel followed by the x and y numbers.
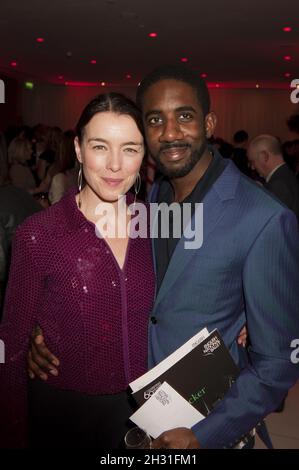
pixel 113 283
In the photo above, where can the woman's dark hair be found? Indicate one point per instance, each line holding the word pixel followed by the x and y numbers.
pixel 113 102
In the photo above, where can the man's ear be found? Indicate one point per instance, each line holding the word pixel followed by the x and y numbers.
pixel 78 149
pixel 265 156
pixel 210 124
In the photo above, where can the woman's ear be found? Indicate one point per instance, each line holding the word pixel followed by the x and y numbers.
pixel 78 149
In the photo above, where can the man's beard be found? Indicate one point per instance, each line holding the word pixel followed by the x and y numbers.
pixel 189 165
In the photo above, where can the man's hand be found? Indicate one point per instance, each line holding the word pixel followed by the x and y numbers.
pixel 179 438
pixel 40 360
pixel 242 338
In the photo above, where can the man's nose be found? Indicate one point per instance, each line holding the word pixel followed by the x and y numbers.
pixel 171 131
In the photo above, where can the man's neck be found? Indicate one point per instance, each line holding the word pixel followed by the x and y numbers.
pixel 273 168
pixel 185 185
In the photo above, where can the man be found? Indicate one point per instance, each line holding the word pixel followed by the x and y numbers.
pixel 250 248
pixel 15 206
pixel 265 156
pixel 239 157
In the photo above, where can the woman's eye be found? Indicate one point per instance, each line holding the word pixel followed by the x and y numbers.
pixel 99 147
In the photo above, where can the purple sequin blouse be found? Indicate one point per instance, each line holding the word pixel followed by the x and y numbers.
pixel 94 315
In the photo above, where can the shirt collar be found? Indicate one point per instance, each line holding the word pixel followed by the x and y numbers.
pixel 215 168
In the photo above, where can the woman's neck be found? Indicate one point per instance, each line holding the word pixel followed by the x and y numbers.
pixel 95 209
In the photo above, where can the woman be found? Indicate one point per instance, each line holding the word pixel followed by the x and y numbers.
pixel 3 160
pixel 19 153
pixel 90 295
pixel 67 174
pixel 47 146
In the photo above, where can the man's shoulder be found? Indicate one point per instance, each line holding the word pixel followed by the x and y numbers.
pixel 284 176
pixel 246 192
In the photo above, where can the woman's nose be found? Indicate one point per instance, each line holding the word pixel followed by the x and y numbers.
pixel 114 162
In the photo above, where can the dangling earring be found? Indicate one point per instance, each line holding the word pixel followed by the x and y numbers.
pixel 80 180
pixel 137 185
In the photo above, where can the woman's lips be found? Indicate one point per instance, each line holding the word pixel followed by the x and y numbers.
pixel 113 182
pixel 175 153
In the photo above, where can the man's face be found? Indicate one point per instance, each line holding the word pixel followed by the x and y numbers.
pixel 256 160
pixel 175 128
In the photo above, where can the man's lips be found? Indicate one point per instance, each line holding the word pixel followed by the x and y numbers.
pixel 174 153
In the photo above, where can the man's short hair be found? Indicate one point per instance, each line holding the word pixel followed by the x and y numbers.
pixel 293 123
pixel 180 73
pixel 240 136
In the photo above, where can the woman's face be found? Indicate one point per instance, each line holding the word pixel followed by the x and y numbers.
pixel 111 152
pixel 29 151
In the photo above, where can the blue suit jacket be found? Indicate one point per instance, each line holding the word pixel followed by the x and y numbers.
pixel 246 271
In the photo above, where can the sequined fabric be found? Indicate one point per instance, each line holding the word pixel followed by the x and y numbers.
pixel 93 314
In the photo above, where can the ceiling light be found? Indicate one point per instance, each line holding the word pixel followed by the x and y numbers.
pixel 40 40
pixel 287 29
pixel 153 35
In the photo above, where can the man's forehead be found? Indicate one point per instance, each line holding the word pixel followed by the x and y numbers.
pixel 170 92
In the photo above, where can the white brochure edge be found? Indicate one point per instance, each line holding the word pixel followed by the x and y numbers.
pixel 168 362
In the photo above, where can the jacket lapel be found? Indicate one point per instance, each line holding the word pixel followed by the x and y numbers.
pixel 214 206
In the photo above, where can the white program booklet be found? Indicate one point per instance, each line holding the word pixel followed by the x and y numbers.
pixel 166 409
pixel 164 365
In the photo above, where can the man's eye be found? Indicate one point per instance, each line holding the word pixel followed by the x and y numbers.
pixel 154 120
pixel 130 150
pixel 186 116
